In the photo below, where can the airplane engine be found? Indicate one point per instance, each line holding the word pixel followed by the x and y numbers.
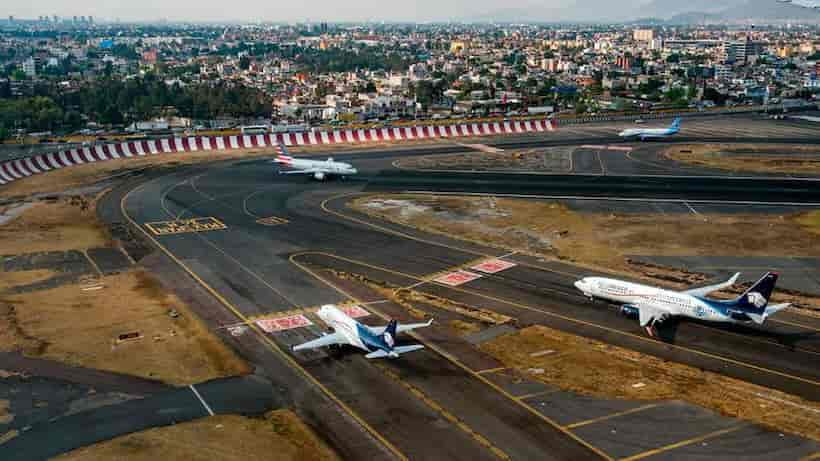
pixel 319 176
pixel 629 310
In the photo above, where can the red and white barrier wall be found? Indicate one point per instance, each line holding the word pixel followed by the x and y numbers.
pixel 17 169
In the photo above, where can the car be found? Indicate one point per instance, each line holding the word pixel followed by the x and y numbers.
pixel 639 121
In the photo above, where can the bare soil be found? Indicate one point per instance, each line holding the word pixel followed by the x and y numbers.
pixel 602 242
pixel 81 325
pixel 279 436
pixel 67 224
pixel 752 158
pixel 590 367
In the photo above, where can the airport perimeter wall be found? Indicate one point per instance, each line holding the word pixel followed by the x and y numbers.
pixel 13 170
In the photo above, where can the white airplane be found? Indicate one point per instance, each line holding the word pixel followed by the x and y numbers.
pixel 320 170
pixel 654 305
pixel 803 3
pixel 378 342
pixel 649 133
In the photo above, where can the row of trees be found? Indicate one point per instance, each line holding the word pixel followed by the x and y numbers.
pixel 117 102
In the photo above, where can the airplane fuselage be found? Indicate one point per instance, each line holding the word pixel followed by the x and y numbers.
pixel 633 296
pixel 357 335
pixel 647 133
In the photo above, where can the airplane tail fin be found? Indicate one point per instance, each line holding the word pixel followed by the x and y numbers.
pixel 755 299
pixel 676 123
pixel 390 332
pixel 282 155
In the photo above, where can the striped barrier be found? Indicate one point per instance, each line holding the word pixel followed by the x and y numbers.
pixel 21 168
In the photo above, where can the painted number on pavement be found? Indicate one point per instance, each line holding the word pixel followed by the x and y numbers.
pixel 354 311
pixel 457 278
pixel 283 323
pixel 182 226
pixel 492 266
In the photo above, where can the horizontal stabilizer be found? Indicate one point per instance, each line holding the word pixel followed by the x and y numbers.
pixel 397 351
pixel 770 310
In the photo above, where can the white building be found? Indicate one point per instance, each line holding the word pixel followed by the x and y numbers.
pixel 30 67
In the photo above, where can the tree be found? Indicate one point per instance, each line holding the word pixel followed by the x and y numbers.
pixel 5 89
pixel 244 63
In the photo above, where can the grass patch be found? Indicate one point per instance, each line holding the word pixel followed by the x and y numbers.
pixel 591 367
pixel 279 436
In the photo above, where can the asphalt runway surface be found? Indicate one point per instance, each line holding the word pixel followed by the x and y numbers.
pixel 261 269
pixel 281 234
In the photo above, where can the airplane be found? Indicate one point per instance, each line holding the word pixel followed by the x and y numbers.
pixel 654 305
pixel 320 170
pixel 802 3
pixel 378 342
pixel 648 133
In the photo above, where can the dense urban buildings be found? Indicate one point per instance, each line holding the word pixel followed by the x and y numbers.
pixel 66 75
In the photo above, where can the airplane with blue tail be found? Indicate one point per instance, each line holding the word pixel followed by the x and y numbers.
pixel 654 306
pixel 378 342
pixel 651 133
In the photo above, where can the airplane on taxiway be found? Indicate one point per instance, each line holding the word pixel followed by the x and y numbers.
pixel 651 133
pixel 378 342
pixel 654 305
pixel 319 169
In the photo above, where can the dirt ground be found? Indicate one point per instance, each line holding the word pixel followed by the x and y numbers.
pixel 612 372
pixel 600 241
pixel 80 325
pixel 550 228
pixel 63 225
pixel 749 158
pixel 279 436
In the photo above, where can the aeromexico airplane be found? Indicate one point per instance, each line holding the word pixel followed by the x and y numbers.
pixel 654 305
pixel 319 169
pixel 650 133
pixel 378 342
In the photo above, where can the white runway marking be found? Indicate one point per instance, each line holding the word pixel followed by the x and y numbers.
pixel 204 404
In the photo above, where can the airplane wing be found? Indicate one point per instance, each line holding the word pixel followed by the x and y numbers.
pixel 397 351
pixel 402 327
pixel 646 314
pixel 703 291
pixel 308 171
pixel 326 340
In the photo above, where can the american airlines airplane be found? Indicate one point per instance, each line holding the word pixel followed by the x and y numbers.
pixel 320 170
pixel 378 342
pixel 654 305
pixel 651 133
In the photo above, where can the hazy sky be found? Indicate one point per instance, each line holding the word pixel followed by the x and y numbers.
pixel 312 10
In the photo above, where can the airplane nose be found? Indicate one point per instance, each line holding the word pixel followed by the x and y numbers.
pixel 579 285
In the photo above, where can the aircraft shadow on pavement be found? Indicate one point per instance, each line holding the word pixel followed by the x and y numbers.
pixel 668 331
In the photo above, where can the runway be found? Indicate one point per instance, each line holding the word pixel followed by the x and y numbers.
pixel 282 235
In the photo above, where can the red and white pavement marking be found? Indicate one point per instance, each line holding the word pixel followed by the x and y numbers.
pixel 13 170
pixel 354 311
pixel 493 265
pixel 457 278
pixel 284 323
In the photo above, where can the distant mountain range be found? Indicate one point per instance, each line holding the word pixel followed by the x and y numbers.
pixel 659 11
